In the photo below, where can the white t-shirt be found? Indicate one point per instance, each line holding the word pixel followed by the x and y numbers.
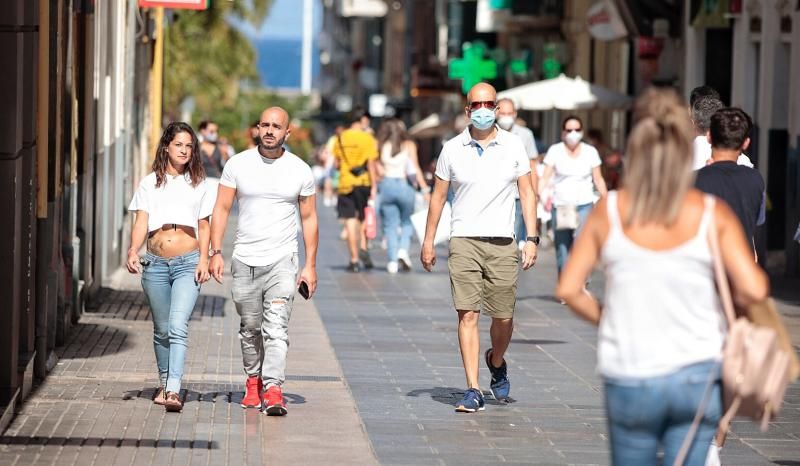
pixel 572 176
pixel 268 192
pixel 484 181
pixel 175 201
pixel 702 152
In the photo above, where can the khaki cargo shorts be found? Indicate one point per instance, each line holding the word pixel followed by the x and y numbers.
pixel 483 275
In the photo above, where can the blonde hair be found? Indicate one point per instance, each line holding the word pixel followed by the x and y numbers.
pixel 658 169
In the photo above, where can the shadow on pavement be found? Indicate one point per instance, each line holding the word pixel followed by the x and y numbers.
pixel 537 342
pixel 108 442
pixel 451 395
pixel 188 396
pixel 539 297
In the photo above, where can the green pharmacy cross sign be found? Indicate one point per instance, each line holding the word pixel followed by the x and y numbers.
pixel 473 67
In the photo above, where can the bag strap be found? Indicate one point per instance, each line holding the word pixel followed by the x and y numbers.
pixel 341 148
pixel 698 416
pixel 724 290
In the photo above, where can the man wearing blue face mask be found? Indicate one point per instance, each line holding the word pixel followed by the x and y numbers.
pixel 485 166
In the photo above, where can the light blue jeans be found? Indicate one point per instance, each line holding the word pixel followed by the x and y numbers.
pixel 397 205
pixel 172 292
pixel 263 297
pixel 565 238
pixel 644 414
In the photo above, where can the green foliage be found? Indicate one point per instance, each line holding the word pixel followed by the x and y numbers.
pixel 234 119
pixel 206 58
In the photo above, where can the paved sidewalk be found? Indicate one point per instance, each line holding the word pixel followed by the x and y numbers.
pixel 374 372
pixel 96 407
pixel 395 337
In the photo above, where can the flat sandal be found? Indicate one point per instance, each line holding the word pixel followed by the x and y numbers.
pixel 173 402
pixel 160 397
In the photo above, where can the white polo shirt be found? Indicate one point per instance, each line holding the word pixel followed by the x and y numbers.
pixel 268 191
pixel 484 181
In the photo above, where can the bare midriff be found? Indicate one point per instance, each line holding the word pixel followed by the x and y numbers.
pixel 172 240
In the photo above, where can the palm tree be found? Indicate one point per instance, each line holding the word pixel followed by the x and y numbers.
pixel 206 58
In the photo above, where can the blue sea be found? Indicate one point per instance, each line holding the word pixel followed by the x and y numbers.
pixel 279 62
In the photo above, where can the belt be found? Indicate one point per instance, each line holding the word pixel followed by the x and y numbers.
pixel 493 239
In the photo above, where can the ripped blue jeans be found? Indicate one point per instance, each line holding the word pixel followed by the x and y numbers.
pixel 263 297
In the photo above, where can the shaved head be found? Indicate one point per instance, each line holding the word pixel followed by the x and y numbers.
pixel 482 92
pixel 276 112
pixel 273 129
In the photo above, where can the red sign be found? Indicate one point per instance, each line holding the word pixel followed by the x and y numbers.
pixel 175 4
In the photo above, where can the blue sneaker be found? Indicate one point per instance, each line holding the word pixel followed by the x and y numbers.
pixel 472 402
pixel 499 386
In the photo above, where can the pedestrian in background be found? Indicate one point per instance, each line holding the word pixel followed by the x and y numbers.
pixel 507 121
pixel 356 152
pixel 574 167
pixel 704 102
pixel 274 188
pixel 328 160
pixel 485 166
pixel 397 153
pixel 742 188
pixel 213 154
pixel 172 207
pixel 661 328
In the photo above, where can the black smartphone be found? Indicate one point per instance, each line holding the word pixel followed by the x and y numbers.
pixel 303 290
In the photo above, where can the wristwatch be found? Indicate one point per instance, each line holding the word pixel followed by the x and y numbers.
pixel 214 252
pixel 533 239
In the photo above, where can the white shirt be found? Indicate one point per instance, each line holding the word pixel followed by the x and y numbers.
pixel 268 192
pixel 484 181
pixel 394 166
pixel 175 201
pixel 526 135
pixel 662 311
pixel 702 152
pixel 572 176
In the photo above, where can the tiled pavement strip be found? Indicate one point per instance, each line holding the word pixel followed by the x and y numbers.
pixel 395 340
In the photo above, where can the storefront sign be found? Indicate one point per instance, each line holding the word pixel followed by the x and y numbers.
pixel 605 22
pixel 176 4
pixel 363 8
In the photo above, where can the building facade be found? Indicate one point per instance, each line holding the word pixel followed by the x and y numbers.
pixel 751 53
pixel 74 102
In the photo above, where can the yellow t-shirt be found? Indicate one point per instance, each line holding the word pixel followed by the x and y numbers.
pixel 359 147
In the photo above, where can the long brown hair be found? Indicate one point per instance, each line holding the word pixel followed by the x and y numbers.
pixel 194 167
pixel 394 132
pixel 658 171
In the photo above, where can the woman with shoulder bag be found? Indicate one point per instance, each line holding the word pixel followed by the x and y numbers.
pixel 173 205
pixel 662 327
pixel 574 167
pixel 397 153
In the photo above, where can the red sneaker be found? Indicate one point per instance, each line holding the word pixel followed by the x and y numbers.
pixel 273 401
pixel 253 387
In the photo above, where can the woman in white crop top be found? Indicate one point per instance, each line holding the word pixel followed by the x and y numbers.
pixel 173 205
pixel 661 326
pixel 399 162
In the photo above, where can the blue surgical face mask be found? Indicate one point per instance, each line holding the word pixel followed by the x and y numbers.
pixel 482 118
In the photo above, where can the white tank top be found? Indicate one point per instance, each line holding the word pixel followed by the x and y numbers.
pixel 662 311
pixel 394 167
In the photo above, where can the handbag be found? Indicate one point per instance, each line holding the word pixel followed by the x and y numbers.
pixel 758 361
pixel 566 217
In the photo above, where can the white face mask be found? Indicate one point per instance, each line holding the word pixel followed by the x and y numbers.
pixel 211 137
pixel 573 138
pixel 506 122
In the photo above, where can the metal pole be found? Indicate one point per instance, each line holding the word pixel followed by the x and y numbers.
pixel 42 113
pixel 308 16
pixel 157 82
